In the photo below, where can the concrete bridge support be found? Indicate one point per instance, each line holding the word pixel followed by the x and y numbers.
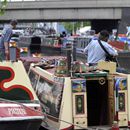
pixel 99 25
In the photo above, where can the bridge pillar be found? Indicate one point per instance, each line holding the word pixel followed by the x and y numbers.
pixel 99 25
pixel 125 20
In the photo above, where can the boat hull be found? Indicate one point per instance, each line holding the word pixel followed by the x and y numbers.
pixel 19 106
pixel 20 125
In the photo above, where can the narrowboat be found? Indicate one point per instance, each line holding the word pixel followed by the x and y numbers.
pixel 50 45
pixel 33 43
pixel 19 106
pixel 84 98
pixel 44 44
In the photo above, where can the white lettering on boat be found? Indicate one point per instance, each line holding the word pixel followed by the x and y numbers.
pixel 17 111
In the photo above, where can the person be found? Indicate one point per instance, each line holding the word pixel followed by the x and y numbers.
pixel 94 51
pixel 5 39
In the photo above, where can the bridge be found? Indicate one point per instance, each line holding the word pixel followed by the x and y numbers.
pixel 53 10
pixel 67 10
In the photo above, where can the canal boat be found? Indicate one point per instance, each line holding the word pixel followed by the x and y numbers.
pixel 41 43
pixel 19 106
pixel 83 99
pixel 49 45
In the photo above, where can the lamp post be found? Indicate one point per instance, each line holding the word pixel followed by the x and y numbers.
pixel 73 28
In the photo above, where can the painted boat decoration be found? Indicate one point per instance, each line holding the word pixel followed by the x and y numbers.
pixel 82 101
pixel 19 105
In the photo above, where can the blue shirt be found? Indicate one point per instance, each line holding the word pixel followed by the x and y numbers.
pixel 5 36
pixel 95 53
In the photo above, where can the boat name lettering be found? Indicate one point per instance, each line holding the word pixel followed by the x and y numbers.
pixel 17 111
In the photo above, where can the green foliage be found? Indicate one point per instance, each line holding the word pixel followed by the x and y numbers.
pixel 3 5
pixel 73 26
pixel 68 26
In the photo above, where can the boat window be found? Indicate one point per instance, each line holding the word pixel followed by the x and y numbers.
pixel 33 78
pixel 50 96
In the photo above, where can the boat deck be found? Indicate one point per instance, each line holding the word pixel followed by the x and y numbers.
pixel 28 60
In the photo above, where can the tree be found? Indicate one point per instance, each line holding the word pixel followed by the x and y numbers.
pixel 3 5
pixel 68 26
pixel 73 26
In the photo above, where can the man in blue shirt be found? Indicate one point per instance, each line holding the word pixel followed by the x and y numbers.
pixel 94 51
pixel 5 38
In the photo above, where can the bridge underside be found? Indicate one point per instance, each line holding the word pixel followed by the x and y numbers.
pixel 103 14
pixel 101 18
pixel 95 15
pixel 62 14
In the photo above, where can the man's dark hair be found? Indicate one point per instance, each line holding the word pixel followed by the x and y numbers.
pixel 13 22
pixel 104 35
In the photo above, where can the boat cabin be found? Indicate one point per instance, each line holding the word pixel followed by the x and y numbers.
pixel 82 100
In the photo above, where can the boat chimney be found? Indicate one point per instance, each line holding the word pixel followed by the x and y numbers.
pixel 74 50
pixel 71 55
